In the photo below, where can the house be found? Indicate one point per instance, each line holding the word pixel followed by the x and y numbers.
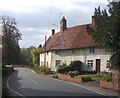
pixel 74 43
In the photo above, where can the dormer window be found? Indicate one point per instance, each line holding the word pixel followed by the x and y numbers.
pixel 91 50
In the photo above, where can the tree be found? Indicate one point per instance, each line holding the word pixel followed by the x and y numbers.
pixel 26 57
pixel 10 39
pixel 107 31
pixel 35 56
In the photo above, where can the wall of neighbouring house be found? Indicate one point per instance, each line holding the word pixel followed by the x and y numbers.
pixel 83 55
pixel 48 59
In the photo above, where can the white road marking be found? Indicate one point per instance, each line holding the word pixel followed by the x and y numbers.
pixel 12 89
pixel 32 71
pixel 80 86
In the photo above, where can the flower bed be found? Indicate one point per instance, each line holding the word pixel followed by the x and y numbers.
pixel 73 79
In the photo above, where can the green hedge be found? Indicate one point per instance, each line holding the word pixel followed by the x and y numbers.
pixel 74 66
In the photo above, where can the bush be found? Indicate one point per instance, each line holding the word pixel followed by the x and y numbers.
pixel 73 73
pixel 76 66
pixel 55 76
pixel 107 77
pixel 86 79
pixel 103 75
pixel 63 70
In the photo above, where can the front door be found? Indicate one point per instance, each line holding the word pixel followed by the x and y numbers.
pixel 97 65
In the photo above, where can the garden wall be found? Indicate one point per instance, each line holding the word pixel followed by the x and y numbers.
pixel 69 78
pixel 115 84
pixel 73 79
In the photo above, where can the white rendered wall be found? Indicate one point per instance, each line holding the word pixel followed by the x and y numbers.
pixel 82 55
pixel 48 59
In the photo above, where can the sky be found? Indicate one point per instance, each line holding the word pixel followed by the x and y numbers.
pixel 36 18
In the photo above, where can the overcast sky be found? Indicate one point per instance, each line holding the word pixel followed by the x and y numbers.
pixel 35 18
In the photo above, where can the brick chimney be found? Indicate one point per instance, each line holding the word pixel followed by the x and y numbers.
pixel 63 24
pixel 93 20
pixel 53 32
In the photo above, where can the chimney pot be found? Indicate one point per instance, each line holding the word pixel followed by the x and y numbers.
pixel 53 31
pixel 63 24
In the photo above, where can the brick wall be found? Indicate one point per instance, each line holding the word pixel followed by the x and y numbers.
pixel 116 79
pixel 105 84
pixel 69 78
pixel 115 84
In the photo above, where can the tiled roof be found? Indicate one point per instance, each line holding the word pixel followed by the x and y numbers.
pixel 71 38
pixel 50 42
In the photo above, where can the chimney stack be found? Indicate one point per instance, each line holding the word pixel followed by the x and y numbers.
pixel 93 20
pixel 53 32
pixel 63 24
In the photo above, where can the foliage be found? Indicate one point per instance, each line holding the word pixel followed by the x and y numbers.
pixel 25 56
pixel 73 73
pixel 74 66
pixel 55 76
pixel 64 69
pixel 84 75
pixel 107 32
pixel 86 79
pixel 103 75
pixel 107 77
pixel 41 68
pixel 62 65
pixel 10 40
pixel 35 56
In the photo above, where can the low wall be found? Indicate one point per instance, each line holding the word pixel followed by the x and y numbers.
pixel 115 84
pixel 105 84
pixel 73 79
pixel 69 78
pixel 116 79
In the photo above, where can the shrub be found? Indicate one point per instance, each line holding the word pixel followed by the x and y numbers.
pixel 48 71
pixel 86 79
pixel 107 77
pixel 64 69
pixel 73 73
pixel 41 68
pixel 76 66
pixel 103 75
pixel 55 76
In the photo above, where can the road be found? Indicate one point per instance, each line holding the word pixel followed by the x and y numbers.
pixel 24 82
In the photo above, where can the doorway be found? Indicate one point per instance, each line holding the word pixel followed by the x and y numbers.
pixel 98 65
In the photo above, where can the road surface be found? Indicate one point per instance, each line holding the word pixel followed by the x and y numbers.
pixel 24 82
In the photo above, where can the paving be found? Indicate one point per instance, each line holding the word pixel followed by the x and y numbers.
pixel 26 83
pixel 94 85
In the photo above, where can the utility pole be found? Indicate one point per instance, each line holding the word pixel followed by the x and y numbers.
pixel 45 54
pixel 61 15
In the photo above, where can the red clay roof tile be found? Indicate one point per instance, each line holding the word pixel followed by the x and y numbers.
pixel 71 38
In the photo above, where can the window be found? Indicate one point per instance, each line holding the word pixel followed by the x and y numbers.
pixel 58 62
pixel 89 63
pixel 108 64
pixel 42 63
pixel 92 50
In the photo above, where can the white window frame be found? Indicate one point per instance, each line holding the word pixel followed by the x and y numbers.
pixel 90 63
pixel 57 62
pixel 91 50
pixel 108 65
